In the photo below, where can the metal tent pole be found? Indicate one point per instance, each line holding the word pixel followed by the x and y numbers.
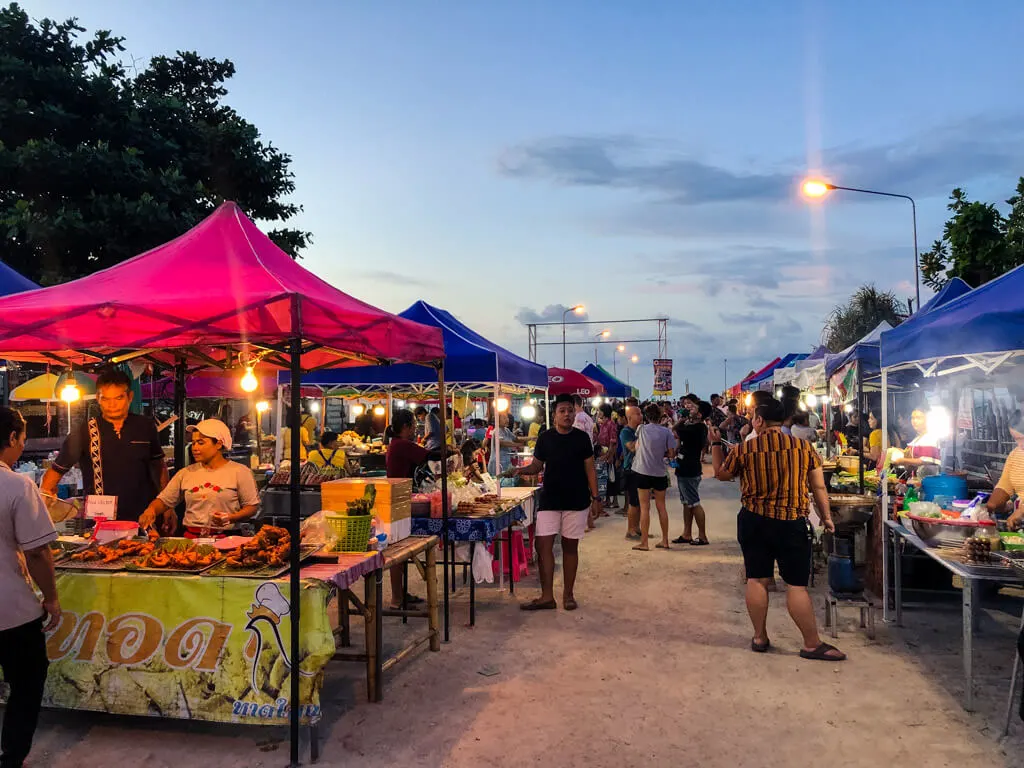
pixel 860 423
pixel 883 479
pixel 179 411
pixel 295 592
pixel 444 491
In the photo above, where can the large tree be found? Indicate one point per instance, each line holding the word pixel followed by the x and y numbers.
pixel 978 243
pixel 99 163
pixel 867 307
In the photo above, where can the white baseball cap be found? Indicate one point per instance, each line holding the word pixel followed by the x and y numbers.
pixel 214 429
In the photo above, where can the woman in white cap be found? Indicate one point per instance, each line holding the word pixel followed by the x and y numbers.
pixel 219 494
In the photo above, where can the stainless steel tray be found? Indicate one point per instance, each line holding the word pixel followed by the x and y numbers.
pixel 222 569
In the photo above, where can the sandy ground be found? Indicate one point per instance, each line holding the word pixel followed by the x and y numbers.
pixel 653 669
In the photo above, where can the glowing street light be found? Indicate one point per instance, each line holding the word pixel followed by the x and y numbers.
pixel 597 337
pixel 816 189
pixel 579 309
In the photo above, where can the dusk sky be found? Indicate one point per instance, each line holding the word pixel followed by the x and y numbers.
pixel 503 160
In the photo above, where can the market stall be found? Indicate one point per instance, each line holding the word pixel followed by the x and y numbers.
pixel 765 379
pixel 977 336
pixel 564 381
pixel 256 308
pixel 473 365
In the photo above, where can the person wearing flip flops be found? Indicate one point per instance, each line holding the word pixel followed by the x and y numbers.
pixel 776 471
pixel 568 496
pixel 692 434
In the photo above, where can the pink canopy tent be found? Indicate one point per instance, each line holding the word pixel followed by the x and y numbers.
pixel 220 289
pixel 563 381
pixel 219 296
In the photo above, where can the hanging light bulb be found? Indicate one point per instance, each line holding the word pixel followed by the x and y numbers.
pixel 358 409
pixel 379 410
pixel 262 406
pixel 314 406
pixel 811 399
pixel 249 381
pixel 502 404
pixel 70 393
pixel 528 413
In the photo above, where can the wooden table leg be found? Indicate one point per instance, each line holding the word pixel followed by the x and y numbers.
pixel 371 610
pixel 343 619
pixel 378 635
pixel 432 607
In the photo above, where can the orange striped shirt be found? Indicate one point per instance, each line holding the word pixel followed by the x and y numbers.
pixel 774 471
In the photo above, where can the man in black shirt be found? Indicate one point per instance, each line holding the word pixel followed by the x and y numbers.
pixel 692 435
pixel 567 497
pixel 119 453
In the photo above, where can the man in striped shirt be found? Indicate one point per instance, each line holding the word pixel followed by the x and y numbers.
pixel 776 471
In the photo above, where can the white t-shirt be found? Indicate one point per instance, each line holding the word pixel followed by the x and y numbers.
pixel 206 491
pixel 584 423
pixel 24 524
pixel 653 441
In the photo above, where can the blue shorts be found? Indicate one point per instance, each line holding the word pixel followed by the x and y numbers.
pixel 689 490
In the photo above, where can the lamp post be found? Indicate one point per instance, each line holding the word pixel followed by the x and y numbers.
pixel 602 335
pixel 816 188
pixel 578 309
pixel 629 368
pixel 615 359
pixel 725 376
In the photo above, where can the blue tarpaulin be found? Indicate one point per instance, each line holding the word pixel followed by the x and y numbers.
pixel 613 387
pixel 988 319
pixel 469 359
pixel 865 352
pixel 12 282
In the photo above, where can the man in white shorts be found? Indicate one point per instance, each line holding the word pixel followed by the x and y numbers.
pixel 567 497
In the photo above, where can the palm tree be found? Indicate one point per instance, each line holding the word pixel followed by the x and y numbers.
pixel 867 307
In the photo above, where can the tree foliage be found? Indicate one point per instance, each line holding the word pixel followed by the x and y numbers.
pixel 866 308
pixel 99 163
pixel 978 243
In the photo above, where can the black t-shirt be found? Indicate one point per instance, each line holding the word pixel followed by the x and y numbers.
pixel 566 486
pixel 131 463
pixel 691 444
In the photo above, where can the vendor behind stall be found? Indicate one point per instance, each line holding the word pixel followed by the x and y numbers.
pixel 119 452
pixel 924 449
pixel 1011 482
pixel 329 454
pixel 219 494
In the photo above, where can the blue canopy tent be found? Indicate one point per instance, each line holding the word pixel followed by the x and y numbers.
pixel 12 282
pixel 472 364
pixel 765 377
pixel 613 387
pixel 864 352
pixel 953 289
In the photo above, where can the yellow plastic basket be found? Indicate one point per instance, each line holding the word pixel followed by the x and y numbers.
pixel 353 532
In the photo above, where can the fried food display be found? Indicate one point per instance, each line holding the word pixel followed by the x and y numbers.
pixel 187 558
pixel 269 547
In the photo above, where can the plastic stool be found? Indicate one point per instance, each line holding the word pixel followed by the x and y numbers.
pixel 519 567
pixel 867 603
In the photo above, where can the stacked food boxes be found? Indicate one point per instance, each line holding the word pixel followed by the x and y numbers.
pixel 392 508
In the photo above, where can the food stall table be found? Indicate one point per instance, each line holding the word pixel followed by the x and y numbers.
pixel 472 529
pixel 969 574
pixel 422 552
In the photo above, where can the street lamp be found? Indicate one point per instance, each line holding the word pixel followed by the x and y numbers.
pixel 579 310
pixel 817 188
pixel 632 360
pixel 615 359
pixel 602 335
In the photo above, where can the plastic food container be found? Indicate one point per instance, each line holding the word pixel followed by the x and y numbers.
pixel 112 530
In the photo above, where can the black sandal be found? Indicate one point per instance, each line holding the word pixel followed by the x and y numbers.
pixel 537 605
pixel 699 543
pixel 682 540
pixel 757 647
pixel 821 653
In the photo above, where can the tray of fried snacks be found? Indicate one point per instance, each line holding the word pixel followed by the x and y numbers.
pixel 174 555
pixel 263 556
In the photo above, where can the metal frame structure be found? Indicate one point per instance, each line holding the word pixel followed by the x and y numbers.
pixel 661 340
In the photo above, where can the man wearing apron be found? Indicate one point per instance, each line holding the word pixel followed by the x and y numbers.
pixel 118 452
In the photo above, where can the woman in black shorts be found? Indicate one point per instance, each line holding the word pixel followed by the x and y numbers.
pixel 654 444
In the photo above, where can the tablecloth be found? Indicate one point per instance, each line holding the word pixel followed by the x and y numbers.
pixel 347 571
pixel 469 528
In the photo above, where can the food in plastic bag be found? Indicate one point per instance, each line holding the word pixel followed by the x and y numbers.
pixel 316 530
pixel 483 566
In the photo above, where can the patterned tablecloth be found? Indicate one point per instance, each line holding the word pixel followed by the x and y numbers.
pixel 484 528
pixel 343 574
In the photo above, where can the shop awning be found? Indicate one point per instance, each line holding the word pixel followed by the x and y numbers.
pixel 745 384
pixel 13 282
pixel 613 387
pixel 220 289
pixel 565 381
pixel 470 359
pixel 986 321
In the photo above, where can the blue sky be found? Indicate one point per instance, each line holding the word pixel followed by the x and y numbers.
pixel 505 159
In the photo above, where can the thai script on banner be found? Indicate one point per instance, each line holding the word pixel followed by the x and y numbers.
pixel 662 378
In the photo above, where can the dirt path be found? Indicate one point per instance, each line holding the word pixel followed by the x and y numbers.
pixel 654 669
